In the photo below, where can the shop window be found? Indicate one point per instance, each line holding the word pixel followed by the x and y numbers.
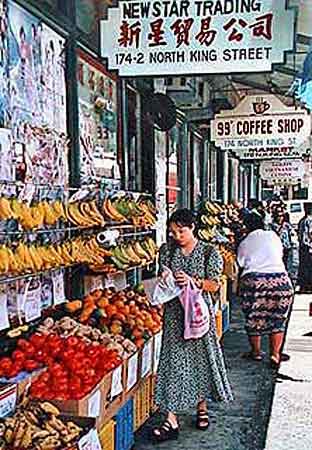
pixel 97 94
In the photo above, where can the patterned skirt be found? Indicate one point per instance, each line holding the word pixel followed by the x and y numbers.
pixel 265 301
pixel 189 370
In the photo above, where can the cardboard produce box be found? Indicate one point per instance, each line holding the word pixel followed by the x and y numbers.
pixel 92 405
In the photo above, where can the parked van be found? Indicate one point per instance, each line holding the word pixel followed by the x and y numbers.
pixel 295 208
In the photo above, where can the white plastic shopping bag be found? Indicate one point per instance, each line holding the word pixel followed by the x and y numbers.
pixel 161 290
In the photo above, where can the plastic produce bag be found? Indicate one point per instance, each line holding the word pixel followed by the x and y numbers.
pixel 162 291
pixel 196 312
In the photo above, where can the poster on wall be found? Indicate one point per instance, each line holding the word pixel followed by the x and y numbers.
pixel 261 122
pixel 4 79
pixel 37 92
pixel 97 92
pixel 189 37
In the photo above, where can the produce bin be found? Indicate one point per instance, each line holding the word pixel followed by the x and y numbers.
pixel 124 436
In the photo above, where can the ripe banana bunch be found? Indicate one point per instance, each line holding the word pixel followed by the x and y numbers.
pixel 84 214
pixel 213 208
pixel 210 220
pixel 134 254
pixel 205 234
pixel 110 211
pixel 141 213
pixel 6 211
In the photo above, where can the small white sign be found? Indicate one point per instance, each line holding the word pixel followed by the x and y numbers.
pixel 157 350
pixel 8 398
pixel 291 170
pixel 58 287
pixel 90 441
pixel 4 315
pixel 147 358
pixel 97 283
pixel 32 305
pixel 108 237
pixel 261 122
pixel 94 404
pixel 132 371
pixel 117 387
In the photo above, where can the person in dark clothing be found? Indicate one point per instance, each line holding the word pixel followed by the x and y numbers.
pixel 305 250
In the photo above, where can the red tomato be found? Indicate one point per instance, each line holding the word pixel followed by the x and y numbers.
pixel 23 344
pixel 72 341
pixel 30 365
pixel 18 355
pixel 37 340
pixel 30 351
pixel 5 365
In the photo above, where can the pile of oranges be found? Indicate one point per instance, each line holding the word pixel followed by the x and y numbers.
pixel 127 313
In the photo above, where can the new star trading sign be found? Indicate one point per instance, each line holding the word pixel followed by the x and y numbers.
pixel 141 37
pixel 262 127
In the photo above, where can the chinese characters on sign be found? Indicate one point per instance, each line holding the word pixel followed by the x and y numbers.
pixel 196 36
pixel 261 124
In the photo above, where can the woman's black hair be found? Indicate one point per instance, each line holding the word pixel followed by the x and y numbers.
pixel 183 217
pixel 253 221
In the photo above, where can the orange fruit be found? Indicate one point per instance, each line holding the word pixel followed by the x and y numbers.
pixel 111 310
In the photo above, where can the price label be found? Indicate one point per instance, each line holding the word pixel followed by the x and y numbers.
pixel 94 404
pixel 4 315
pixel 120 281
pixel 132 371
pixel 32 306
pixel 157 350
pixel 90 441
pixel 58 287
pixel 117 387
pixel 8 398
pixel 147 355
pixel 97 283
pixel 27 193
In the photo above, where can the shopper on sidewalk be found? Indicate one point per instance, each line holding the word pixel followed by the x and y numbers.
pixel 189 370
pixel 265 288
pixel 305 250
pixel 289 239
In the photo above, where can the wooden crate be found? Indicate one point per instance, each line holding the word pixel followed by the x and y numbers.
pixel 107 436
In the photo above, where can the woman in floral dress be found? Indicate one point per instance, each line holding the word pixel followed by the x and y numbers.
pixel 189 370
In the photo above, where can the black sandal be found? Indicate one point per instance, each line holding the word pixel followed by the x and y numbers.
pixel 254 356
pixel 202 421
pixel 274 362
pixel 166 432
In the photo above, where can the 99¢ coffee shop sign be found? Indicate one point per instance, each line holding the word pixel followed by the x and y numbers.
pixel 170 37
pixel 282 172
pixel 262 127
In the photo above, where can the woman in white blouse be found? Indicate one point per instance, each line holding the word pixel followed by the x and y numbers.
pixel 265 288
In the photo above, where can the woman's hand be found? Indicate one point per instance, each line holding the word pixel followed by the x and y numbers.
pixel 181 278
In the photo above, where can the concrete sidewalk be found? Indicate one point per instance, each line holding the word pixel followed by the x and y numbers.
pixel 239 426
pixel 290 426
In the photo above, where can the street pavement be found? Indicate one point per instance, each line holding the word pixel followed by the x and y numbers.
pixel 242 425
pixel 290 426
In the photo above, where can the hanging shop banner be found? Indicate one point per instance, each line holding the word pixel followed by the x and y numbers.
pixel 282 172
pixel 97 93
pixel 274 152
pixel 141 37
pixel 261 123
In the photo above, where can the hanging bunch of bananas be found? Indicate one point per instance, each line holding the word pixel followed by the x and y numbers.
pixel 32 216
pixel 125 209
pixel 213 208
pixel 84 214
pixel 227 254
pixel 34 258
pixel 81 214
pixel 134 253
